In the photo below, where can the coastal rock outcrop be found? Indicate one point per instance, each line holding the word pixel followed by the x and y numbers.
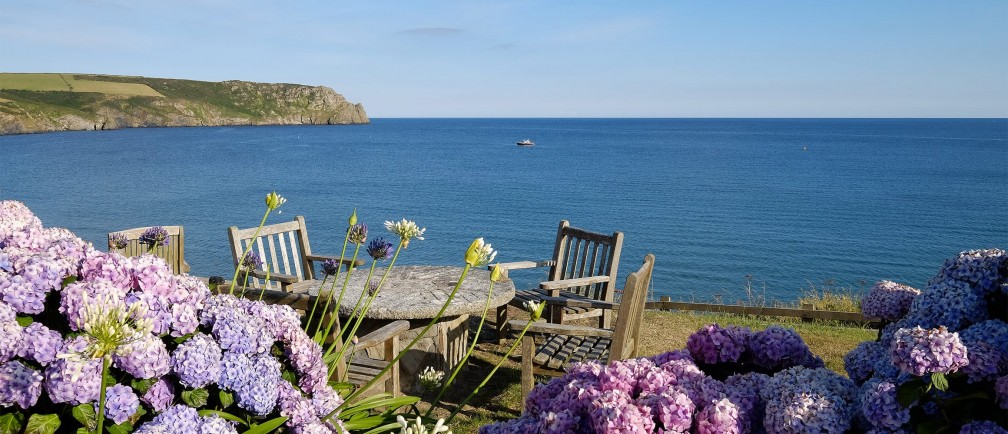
pixel 182 103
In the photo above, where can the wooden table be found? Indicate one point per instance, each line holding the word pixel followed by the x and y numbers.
pixel 416 293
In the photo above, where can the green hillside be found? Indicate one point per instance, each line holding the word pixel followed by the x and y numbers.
pixel 58 102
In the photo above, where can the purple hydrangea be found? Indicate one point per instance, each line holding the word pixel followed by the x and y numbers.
pixel 19 384
pixel 379 249
pixel 11 340
pixel 880 408
pixel 305 357
pixel 236 371
pixel 178 419
pixel 664 358
pixel 985 363
pixel 143 358
pixel 120 403
pixel 806 411
pixel 719 417
pixel 981 269
pixel 860 362
pixel 951 304
pixel 777 347
pixel 72 379
pixel 40 344
pixel 214 424
pixel 612 414
pixel 196 362
pixel 21 294
pixel 325 400
pixel 259 394
pixel 298 410
pixel 888 300
pixel 920 351
pixel 994 332
pixel 522 425
pixel 671 409
pixel 154 236
pixel 152 274
pixel 743 390
pixel 238 331
pixel 110 266
pixel 160 395
pixel 7 313
pixel 982 427
pixel 715 344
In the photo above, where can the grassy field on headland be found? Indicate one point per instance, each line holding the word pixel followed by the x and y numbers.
pixel 660 332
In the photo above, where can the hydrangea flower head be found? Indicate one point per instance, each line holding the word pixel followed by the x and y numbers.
pixel 719 417
pixel 197 361
pixel 980 269
pixel 920 351
pixel 120 403
pixel 406 230
pixel 160 395
pixel 777 347
pixel 154 236
pixel 19 384
pixel 860 362
pixel 879 406
pixel 40 344
pixel 715 344
pixel 982 427
pixel 888 300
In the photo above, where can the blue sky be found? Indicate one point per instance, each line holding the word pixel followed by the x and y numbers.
pixel 549 58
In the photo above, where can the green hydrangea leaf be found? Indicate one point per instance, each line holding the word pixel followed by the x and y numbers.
pixel 195 398
pixel 11 423
pixel 42 424
pixel 939 381
pixel 226 398
pixel 85 414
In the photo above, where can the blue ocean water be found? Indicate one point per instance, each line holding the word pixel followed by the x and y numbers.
pixel 789 202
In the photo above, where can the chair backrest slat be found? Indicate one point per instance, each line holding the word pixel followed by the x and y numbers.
pixel 283 247
pixel 282 239
pixel 582 253
pixel 626 336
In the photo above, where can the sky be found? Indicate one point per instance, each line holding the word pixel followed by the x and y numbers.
pixel 548 58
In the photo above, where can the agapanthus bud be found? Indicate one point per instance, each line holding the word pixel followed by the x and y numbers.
pixel 274 200
pixel 496 272
pixel 353 217
pixel 479 253
pixel 534 308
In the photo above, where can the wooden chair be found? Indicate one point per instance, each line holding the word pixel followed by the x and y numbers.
pixel 564 344
pixel 361 368
pixel 173 253
pixel 584 264
pixel 285 250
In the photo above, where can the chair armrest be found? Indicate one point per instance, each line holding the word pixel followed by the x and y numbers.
pixel 343 261
pixel 580 302
pixel 382 334
pixel 559 329
pixel 572 283
pixel 184 268
pixel 519 265
pixel 276 277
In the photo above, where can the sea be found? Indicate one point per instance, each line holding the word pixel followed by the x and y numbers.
pixel 731 208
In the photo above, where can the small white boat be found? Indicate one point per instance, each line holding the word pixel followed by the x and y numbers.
pixel 526 142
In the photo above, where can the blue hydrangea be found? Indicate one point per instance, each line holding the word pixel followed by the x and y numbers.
pixel 236 371
pixel 259 394
pixel 981 269
pixel 880 408
pixel 196 362
pixel 11 334
pixel 982 427
pixel 806 411
pixel 888 300
pixel 860 362
pixel 19 292
pixel 994 332
pixel 213 424
pixel 951 304
pixel 985 363
pixel 73 381
pixel 178 419
pixel 238 331
pixel 160 395
pixel 920 351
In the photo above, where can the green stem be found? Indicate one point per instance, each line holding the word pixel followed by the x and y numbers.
pixel 339 300
pixel 461 363
pixel 343 337
pixel 346 239
pixel 314 305
pixel 100 429
pixel 367 305
pixel 492 371
pixel 406 349
pixel 247 250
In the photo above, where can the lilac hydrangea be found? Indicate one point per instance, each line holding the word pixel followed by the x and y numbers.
pixel 920 351
pixel 19 384
pixel 888 300
pixel 305 357
pixel 143 358
pixel 719 417
pixel 75 296
pixel 121 403
pixel 21 294
pixel 777 347
pixel 611 414
pixel 159 395
pixel 715 344
pixel 298 410
pixel 196 362
pixel 177 419
pixel 110 266
pixel 214 424
pixel 671 409
pixel 238 331
pixel 260 392
pixel 806 411
pixel 152 274
pixel 11 339
pixel 743 390
pixel 40 344
pixel 879 406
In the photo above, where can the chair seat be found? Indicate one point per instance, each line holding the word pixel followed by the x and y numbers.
pixel 362 369
pixel 558 351
pixel 570 313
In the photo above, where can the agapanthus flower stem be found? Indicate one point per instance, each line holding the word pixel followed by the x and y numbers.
pixel 465 358
pixel 344 335
pixel 339 300
pixel 342 254
pixel 465 271
pixel 247 250
pixel 492 371
pixel 106 361
pixel 367 305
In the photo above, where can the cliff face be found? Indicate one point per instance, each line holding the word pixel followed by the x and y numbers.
pixel 184 103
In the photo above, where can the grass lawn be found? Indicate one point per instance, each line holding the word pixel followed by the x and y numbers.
pixel 661 331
